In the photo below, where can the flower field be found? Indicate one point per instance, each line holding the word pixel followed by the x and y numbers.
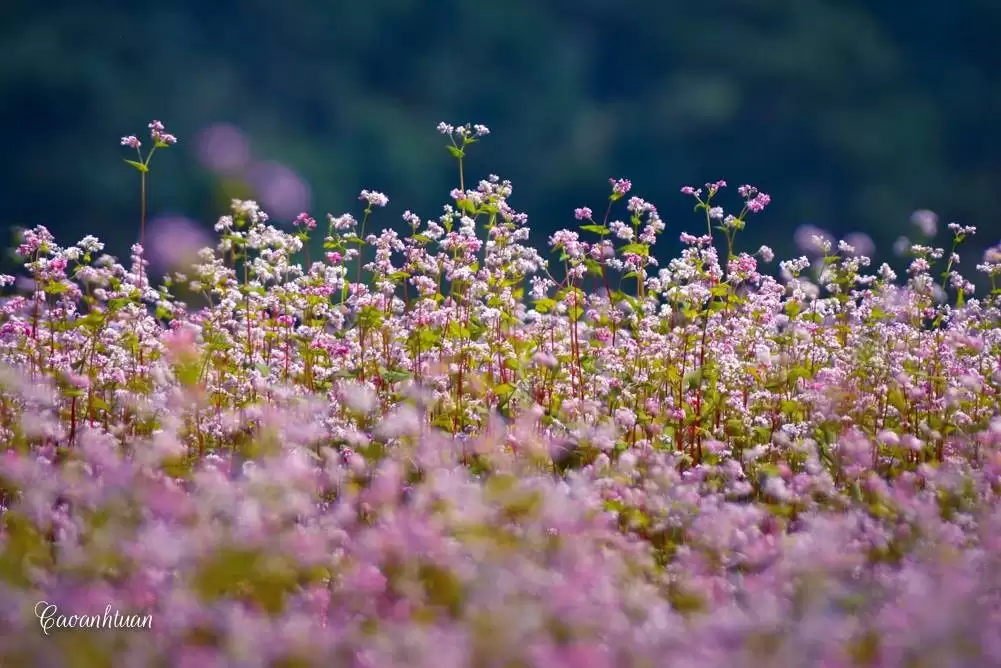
pixel 442 449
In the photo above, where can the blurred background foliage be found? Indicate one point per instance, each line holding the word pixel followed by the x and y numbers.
pixel 850 114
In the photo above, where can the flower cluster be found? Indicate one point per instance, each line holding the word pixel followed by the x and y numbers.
pixel 442 449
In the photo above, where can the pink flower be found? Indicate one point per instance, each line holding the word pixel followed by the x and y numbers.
pixel 156 131
pixel 303 220
pixel 374 198
pixel 620 186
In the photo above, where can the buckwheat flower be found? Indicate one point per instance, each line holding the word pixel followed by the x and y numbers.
pixel 444 128
pixel 716 213
pixel 411 218
pixel 758 204
pixel 583 213
pixel 90 244
pixel 156 131
pixel 961 230
pixel 481 130
pixel 766 253
pixel 621 230
pixel 689 190
pixel 603 250
pixel 344 222
pixel 775 487
pixel 888 437
pixel 620 186
pixel 374 198
pixel 715 447
pixel 303 220
pixel 639 206
pixel 627 461
pixel 131 141
pixel 731 222
pixel 625 418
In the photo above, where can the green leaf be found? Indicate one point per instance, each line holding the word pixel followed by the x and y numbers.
pixel 456 152
pixel 736 426
pixel 504 390
pixel 370 317
pixel 639 249
pixel 544 305
pixel 789 407
pixel 138 165
pixel 692 379
pixel 597 229
pixel 797 373
pixel 395 376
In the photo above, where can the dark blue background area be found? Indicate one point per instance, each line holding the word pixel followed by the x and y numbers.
pixel 850 114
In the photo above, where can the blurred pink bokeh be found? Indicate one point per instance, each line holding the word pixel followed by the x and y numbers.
pixel 173 241
pixel 281 192
pixel 804 238
pixel 224 148
pixel 862 243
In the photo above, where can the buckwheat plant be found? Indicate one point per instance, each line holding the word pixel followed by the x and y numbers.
pixel 439 448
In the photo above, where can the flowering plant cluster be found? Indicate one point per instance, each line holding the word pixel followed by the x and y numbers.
pixel 441 449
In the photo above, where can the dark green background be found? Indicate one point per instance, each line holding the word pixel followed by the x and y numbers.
pixel 851 114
